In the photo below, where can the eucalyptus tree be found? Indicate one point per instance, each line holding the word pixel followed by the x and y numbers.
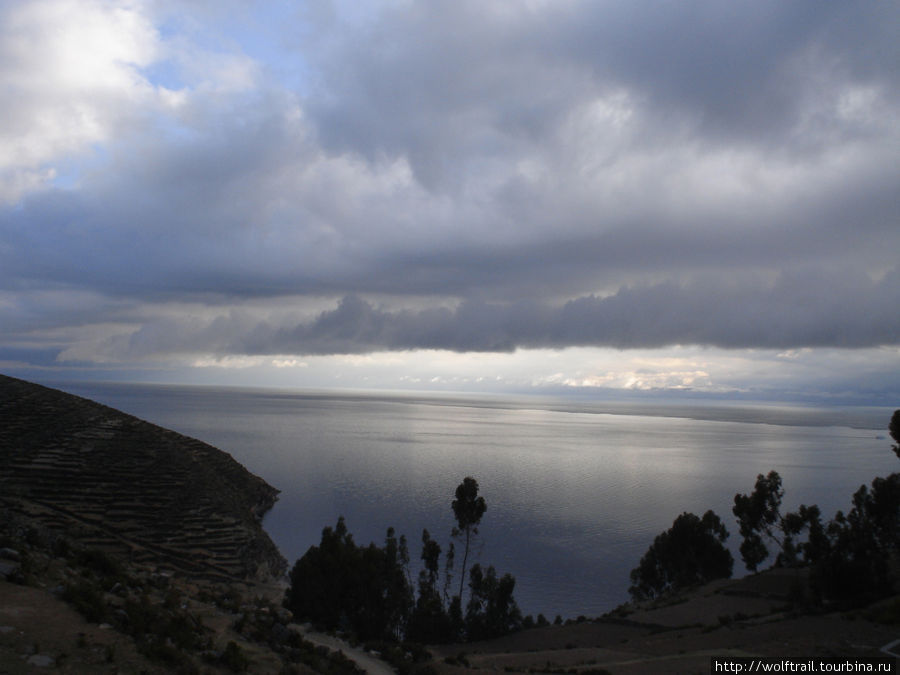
pixel 468 508
pixel 759 517
pixel 894 428
pixel 690 553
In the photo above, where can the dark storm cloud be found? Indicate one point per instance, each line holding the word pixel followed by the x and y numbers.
pixel 813 309
pixel 797 311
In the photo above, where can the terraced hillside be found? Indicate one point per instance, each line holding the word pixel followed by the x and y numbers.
pixel 114 482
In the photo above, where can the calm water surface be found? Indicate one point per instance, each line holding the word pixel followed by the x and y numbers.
pixel 576 492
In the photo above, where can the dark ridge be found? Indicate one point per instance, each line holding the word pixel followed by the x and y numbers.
pixel 118 483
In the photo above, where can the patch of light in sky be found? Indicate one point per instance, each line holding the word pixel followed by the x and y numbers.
pixel 577 370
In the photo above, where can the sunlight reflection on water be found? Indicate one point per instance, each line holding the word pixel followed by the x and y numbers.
pixel 574 496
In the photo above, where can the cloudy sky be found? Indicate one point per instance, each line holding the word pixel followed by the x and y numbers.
pixel 543 195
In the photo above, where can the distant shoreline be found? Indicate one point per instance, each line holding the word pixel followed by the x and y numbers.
pixel 861 417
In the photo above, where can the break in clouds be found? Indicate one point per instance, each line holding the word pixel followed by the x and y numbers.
pixel 340 178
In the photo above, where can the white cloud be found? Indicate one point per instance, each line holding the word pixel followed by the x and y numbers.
pixel 76 75
pixel 229 362
pixel 289 363
pixel 70 73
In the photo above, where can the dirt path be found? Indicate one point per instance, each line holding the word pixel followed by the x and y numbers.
pixel 362 658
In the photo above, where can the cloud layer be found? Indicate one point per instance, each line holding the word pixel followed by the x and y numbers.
pixel 180 178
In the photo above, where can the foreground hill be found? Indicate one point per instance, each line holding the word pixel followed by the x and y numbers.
pixel 128 487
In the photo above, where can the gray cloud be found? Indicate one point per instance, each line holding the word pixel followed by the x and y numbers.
pixel 797 310
pixel 475 178
pixel 450 85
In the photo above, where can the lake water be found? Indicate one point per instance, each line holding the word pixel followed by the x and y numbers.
pixel 576 491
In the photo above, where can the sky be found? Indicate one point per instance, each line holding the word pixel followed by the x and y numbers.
pixel 596 197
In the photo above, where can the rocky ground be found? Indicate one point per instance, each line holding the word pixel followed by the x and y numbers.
pixel 81 611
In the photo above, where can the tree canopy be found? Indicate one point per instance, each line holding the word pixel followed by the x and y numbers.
pixel 759 516
pixel 689 553
pixel 340 585
pixel 853 559
pixel 367 590
pixel 468 508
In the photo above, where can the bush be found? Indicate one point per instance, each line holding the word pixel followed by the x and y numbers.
pixel 100 563
pixel 87 599
pixel 234 658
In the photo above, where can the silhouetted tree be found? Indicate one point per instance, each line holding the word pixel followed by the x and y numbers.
pixel 863 547
pixel 816 545
pixel 689 553
pixel 859 564
pixel 468 508
pixel 429 621
pixel 760 520
pixel 431 557
pixel 448 570
pixel 759 515
pixel 368 590
pixel 492 611
pixel 396 586
pixel 894 428
pixel 340 585
pixel 319 590
pixel 855 557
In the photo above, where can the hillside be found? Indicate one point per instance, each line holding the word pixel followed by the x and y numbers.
pixel 760 616
pixel 126 486
pixel 129 548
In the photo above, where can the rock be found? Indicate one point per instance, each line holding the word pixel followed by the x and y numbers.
pixel 41 661
pixel 9 570
pixel 10 554
pixel 280 633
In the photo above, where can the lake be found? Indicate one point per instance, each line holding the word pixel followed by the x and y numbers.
pixel 576 490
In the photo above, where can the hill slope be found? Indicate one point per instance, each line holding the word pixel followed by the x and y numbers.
pixel 117 483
